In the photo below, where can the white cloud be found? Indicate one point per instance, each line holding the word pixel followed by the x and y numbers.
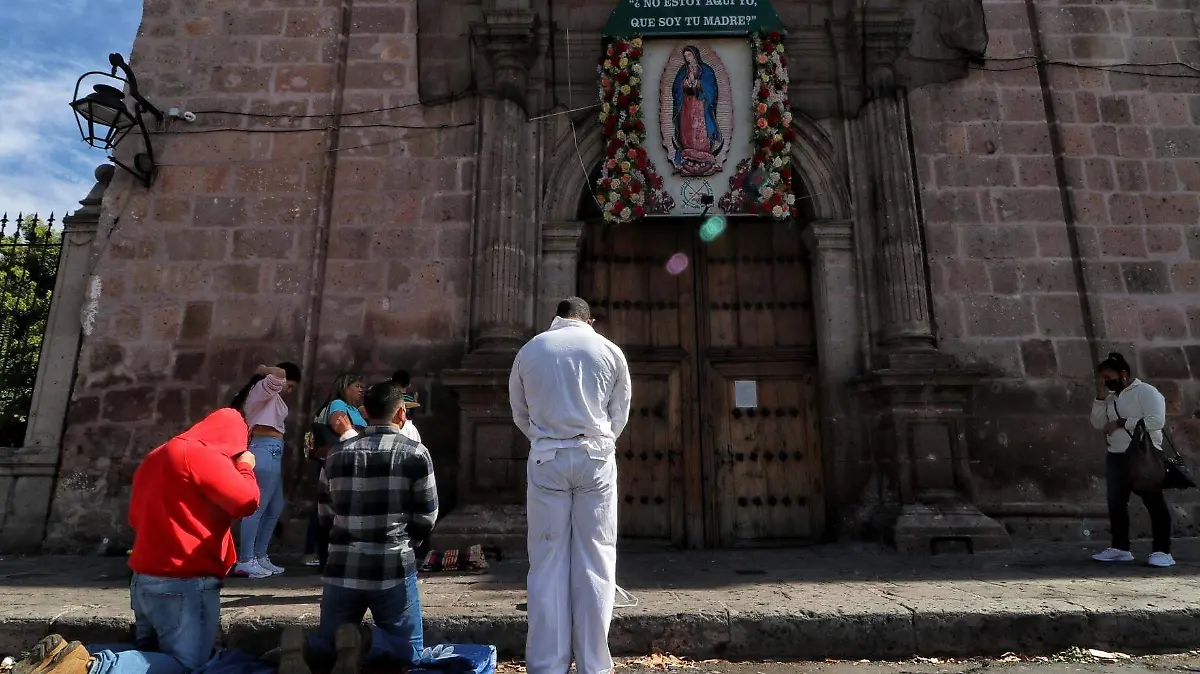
pixel 44 165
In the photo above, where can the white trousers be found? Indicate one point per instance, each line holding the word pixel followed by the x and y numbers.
pixel 572 511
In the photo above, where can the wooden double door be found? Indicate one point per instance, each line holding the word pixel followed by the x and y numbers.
pixel 722 447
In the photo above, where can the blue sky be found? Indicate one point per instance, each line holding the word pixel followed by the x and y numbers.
pixel 45 45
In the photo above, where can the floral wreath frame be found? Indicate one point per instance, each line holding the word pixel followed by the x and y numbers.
pixel 629 187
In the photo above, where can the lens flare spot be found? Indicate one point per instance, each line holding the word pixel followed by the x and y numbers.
pixel 677 264
pixel 713 227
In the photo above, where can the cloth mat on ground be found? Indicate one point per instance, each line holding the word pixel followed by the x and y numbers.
pixel 474 558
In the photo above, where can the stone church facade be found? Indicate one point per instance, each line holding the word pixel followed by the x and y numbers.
pixel 994 195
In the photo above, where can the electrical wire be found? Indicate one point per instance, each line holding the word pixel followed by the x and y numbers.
pixel 313 129
pixel 1033 62
pixel 445 100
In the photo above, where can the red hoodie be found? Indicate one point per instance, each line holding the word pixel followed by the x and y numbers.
pixel 186 494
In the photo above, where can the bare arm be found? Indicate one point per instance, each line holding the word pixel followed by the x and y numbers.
pixel 268 371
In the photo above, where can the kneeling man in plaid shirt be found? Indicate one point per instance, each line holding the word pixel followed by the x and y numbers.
pixel 378 499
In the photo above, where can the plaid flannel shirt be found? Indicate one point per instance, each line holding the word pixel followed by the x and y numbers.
pixel 377 496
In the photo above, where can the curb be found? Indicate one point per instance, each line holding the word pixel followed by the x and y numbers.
pixel 736 635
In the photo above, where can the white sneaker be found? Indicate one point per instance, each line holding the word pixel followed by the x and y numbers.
pixel 251 569
pixel 1161 560
pixel 265 562
pixel 1113 555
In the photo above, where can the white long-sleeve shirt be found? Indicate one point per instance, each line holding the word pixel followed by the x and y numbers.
pixel 1138 402
pixel 570 387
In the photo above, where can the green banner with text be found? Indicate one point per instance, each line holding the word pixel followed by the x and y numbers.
pixel 691 18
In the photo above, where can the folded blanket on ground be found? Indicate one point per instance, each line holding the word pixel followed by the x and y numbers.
pixel 465 559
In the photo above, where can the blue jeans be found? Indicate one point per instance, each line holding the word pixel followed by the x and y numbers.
pixel 175 622
pixel 255 532
pixel 398 636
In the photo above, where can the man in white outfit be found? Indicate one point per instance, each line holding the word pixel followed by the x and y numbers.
pixel 570 394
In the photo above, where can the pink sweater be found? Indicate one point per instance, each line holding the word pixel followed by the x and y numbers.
pixel 264 405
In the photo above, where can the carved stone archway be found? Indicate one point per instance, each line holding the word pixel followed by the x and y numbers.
pixel 836 292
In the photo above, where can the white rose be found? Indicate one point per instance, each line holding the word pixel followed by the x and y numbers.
pixel 791 199
pixel 777 211
pixel 777 162
pixel 767 193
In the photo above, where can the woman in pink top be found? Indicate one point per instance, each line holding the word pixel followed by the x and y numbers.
pixel 261 402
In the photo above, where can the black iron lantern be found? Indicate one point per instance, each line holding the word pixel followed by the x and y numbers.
pixel 105 119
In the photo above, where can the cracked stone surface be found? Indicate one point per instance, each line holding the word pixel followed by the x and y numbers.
pixel 845 602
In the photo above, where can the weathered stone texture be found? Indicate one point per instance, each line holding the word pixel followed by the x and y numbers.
pixel 1006 293
pixel 210 272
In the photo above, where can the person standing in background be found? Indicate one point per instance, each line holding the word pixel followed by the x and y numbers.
pixel 570 393
pixel 346 398
pixel 403 379
pixel 1123 401
pixel 261 402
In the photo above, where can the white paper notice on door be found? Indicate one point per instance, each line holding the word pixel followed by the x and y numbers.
pixel 745 394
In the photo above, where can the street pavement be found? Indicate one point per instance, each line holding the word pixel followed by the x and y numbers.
pixel 841 602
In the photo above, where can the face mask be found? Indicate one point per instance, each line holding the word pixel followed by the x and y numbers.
pixel 1114 385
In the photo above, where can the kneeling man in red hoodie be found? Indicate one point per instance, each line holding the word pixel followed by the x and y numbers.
pixel 186 495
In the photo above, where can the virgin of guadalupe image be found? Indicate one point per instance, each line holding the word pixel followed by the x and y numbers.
pixel 698 138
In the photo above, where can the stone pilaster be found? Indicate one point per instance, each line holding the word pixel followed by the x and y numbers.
pixel 898 260
pixel 507 198
pixel 492 451
pixel 558 276
pixel 836 305
pixel 27 474
pixel 918 400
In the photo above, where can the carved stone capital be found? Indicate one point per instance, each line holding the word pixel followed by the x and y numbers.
pixel 561 237
pixel 510 40
pixel 827 235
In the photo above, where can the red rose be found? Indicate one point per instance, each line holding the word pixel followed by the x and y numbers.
pixel 640 126
pixel 765 142
pixel 785 173
pixel 764 92
pixel 639 212
pixel 777 146
pixel 773 116
pixel 783 61
pixel 656 181
pixel 789 134
pixel 636 54
pixel 636 188
pixel 621 46
pixel 623 101
pixel 774 36
pixel 642 162
pixel 623 76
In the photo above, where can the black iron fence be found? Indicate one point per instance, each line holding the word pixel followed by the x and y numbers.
pixel 29 252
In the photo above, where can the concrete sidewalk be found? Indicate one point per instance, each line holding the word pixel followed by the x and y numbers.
pixel 846 602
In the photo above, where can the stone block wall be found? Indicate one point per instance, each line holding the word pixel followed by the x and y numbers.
pixel 1006 291
pixel 211 271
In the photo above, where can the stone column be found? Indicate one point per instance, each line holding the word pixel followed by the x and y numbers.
pixel 917 399
pixel 558 276
pixel 902 297
pixel 27 474
pixel 507 193
pixel 492 451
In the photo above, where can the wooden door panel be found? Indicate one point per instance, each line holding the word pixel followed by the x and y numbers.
pixel 765 462
pixel 768 462
pixel 650 314
pixel 648 455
